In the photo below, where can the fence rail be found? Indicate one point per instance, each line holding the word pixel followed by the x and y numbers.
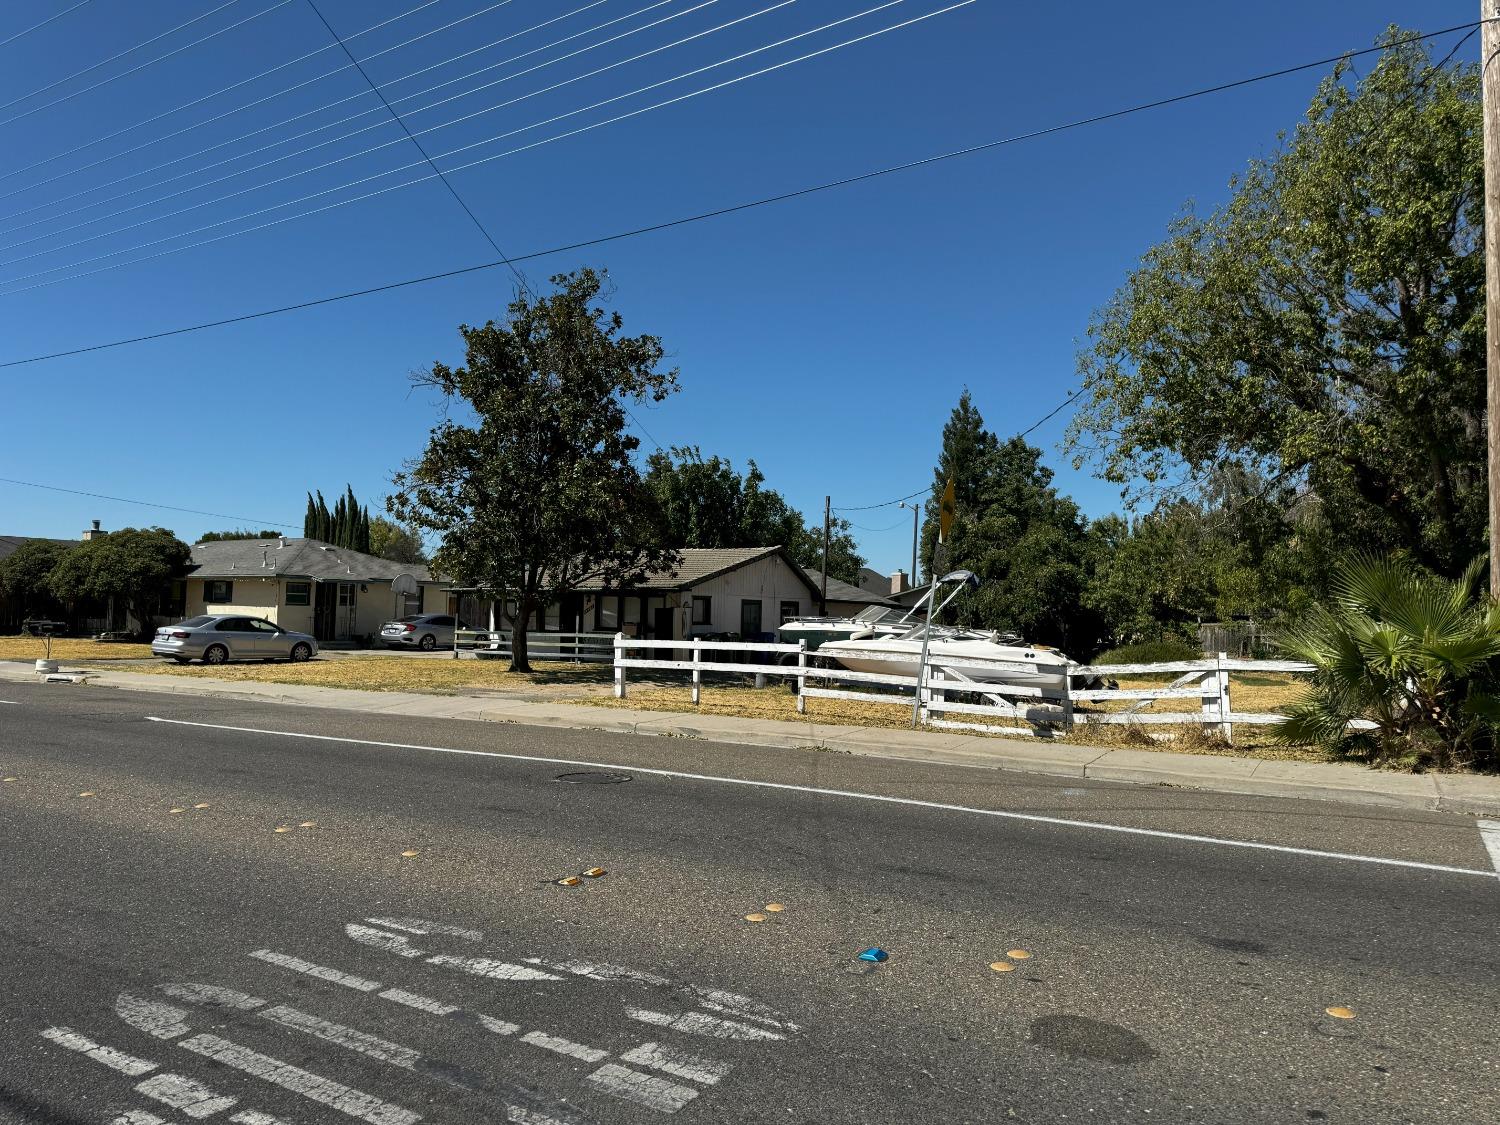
pixel 495 644
pixel 946 690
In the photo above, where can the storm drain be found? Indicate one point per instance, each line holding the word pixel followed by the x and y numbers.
pixel 594 777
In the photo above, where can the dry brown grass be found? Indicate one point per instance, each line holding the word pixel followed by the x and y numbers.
pixel 70 649
pixel 401 673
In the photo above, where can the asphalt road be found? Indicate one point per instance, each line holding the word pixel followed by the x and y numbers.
pixel 169 955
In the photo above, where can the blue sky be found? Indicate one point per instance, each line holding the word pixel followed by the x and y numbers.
pixel 827 338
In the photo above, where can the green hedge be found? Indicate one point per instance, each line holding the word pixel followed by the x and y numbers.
pixel 1150 652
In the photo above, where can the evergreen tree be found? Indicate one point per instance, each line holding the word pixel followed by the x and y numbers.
pixel 967 446
pixel 310 521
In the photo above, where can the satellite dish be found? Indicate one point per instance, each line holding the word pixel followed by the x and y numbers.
pixel 404 584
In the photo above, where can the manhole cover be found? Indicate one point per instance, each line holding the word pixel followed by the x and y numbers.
pixel 594 777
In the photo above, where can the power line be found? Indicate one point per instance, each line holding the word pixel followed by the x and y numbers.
pixel 686 220
pixel 464 148
pixel 197 101
pixel 387 144
pixel 332 124
pixel 488 237
pixel 139 67
pixel 883 503
pixel 144 503
pixel 1050 414
pixel 44 23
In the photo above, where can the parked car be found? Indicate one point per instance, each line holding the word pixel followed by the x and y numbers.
pixel 217 638
pixel 426 631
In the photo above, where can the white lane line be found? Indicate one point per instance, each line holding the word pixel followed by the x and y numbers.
pixel 499 1026
pixel 382 940
pixel 412 1000
pixel 256 1117
pixel 10 702
pixel 563 1046
pixel 164 1021
pixel 346 1037
pixel 734 1004
pixel 1489 832
pixel 422 928
pixel 518 1115
pixel 599 972
pixel 644 1089
pixel 313 1087
pixel 322 972
pixel 138 1116
pixel 117 1060
pixel 1028 818
pixel 696 1023
pixel 213 995
pixel 180 1092
pixel 694 1067
pixel 485 967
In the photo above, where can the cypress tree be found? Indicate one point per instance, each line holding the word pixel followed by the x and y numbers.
pixel 310 521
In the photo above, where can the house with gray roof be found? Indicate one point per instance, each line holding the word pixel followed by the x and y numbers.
pixel 309 586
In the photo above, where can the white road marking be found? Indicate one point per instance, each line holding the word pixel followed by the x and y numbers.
pixel 139 1116
pixel 518 1115
pixel 322 972
pixel 213 995
pixel 563 1046
pixel 312 1086
pixel 346 1037
pixel 10 702
pixel 1027 818
pixel 382 940
pixel 412 1000
pixel 694 1067
pixel 180 1092
pixel 117 1060
pixel 164 1021
pixel 256 1117
pixel 599 972
pixel 422 928
pixel 499 1026
pixel 1489 832
pixel 644 1089
pixel 485 967
pixel 696 1023
pixel 734 1004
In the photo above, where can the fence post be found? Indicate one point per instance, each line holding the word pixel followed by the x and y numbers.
pixel 934 693
pixel 802 676
pixel 1067 700
pixel 697 674
pixel 619 666
pixel 1224 709
pixel 1209 691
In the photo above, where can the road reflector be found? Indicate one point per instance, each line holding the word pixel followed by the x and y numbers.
pixel 174 812
pixel 204 805
pixel 88 793
pixel 282 828
pixel 1002 966
pixel 308 824
pixel 408 854
pixel 775 907
pixel 755 917
pixel 1017 954
pixel 11 779
pixel 569 881
pixel 1340 1013
pixel 594 872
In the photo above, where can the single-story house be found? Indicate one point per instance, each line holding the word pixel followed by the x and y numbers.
pixel 845 600
pixel 748 591
pixel 309 586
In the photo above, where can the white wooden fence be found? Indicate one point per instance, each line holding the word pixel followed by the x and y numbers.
pixel 949 691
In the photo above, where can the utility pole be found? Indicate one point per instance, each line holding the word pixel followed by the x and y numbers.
pixel 827 526
pixel 1489 40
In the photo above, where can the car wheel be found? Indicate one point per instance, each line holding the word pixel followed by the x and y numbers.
pixel 216 654
pixel 301 651
pixel 427 643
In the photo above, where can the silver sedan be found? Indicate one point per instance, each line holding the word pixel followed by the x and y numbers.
pixel 220 637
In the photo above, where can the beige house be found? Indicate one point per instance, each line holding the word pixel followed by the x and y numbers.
pixel 336 594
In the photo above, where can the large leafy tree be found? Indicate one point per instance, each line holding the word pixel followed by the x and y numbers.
pixel 133 566
pixel 536 491
pixel 390 540
pixel 706 502
pixel 24 575
pixel 1325 326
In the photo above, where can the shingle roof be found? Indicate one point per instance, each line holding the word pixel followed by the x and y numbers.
pixel 698 564
pixel 299 558
pixel 9 544
pixel 843 592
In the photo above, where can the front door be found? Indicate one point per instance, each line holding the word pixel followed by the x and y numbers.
pixel 343 622
pixel 327 593
pixel 750 619
pixel 661 629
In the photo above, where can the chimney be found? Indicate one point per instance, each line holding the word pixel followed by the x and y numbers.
pixel 94 532
pixel 899 584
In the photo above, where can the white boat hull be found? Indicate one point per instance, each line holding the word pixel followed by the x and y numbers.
pixel 982 661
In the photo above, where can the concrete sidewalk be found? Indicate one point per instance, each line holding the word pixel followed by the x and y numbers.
pixel 1462 793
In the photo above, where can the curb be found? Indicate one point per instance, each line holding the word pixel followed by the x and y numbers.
pixel 1464 794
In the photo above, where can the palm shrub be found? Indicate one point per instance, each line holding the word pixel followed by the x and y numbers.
pixel 1412 653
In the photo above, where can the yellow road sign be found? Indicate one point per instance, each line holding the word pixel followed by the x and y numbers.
pixel 945 514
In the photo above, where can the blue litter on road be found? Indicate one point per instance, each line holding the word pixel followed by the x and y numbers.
pixel 874 954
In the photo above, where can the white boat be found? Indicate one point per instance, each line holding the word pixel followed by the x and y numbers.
pixel 877 621
pixel 969 654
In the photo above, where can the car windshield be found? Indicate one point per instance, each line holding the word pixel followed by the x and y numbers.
pixel 195 622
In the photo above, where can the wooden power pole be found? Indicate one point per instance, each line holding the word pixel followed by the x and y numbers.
pixel 827 529
pixel 1489 39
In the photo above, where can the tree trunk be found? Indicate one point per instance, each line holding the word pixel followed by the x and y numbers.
pixel 518 658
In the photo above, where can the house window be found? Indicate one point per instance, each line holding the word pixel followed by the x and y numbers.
pixel 703 610
pixel 218 592
pixel 789 610
pixel 299 593
pixel 410 604
pixel 607 613
pixel 749 618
